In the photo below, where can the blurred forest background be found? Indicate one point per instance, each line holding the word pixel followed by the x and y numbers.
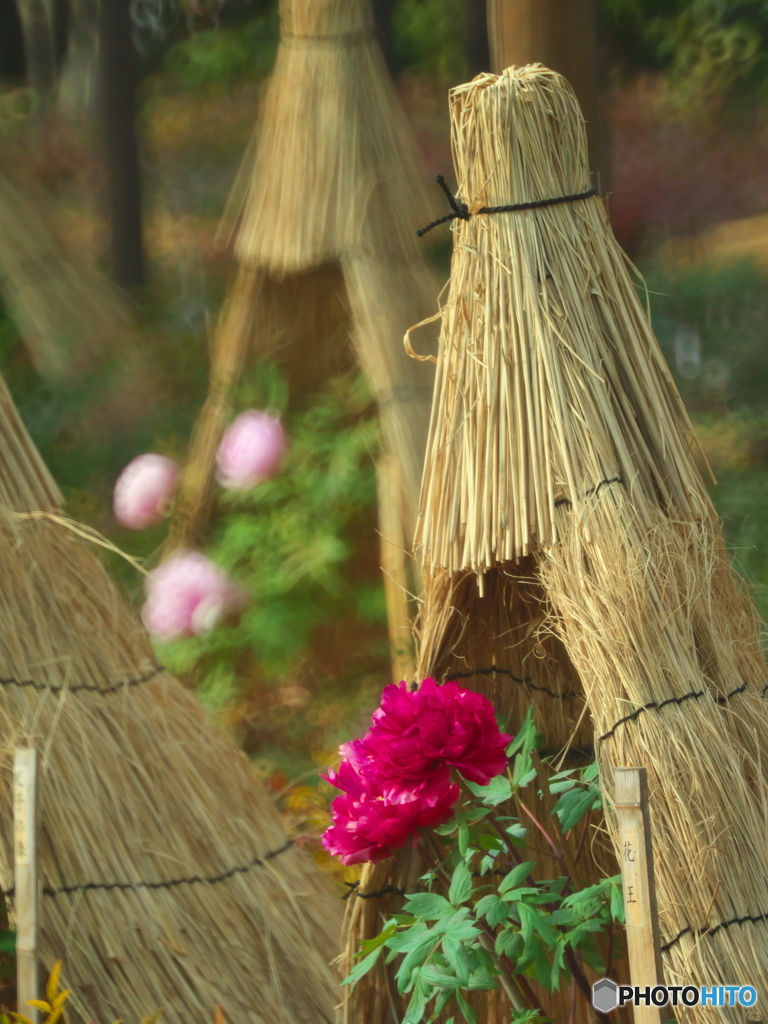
pixel 122 126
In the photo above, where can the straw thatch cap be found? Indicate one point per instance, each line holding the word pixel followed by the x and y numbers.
pixel 518 137
pixel 332 171
pixel 549 379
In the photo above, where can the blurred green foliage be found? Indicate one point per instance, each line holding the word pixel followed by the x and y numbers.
pixel 741 498
pixel 710 48
pixel 218 57
pixel 294 544
pixel 726 305
pixel 429 35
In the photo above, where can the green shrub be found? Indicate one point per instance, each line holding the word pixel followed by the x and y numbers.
pixel 219 57
pixel 315 618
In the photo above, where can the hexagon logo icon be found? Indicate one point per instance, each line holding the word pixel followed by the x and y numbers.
pixel 605 995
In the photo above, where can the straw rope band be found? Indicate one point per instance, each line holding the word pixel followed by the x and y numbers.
pixel 750 918
pixel 461 210
pixel 350 38
pixel 658 705
pixel 172 883
pixel 88 687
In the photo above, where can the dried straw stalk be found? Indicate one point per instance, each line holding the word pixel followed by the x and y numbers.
pixel 560 450
pixel 139 787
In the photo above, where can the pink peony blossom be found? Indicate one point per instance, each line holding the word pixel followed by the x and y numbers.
pixel 369 826
pixel 187 596
pixel 415 733
pixel 251 450
pixel 144 490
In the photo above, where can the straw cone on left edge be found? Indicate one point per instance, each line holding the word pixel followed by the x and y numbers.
pixel 171 879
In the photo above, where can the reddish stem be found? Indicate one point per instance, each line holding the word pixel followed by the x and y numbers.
pixel 558 855
pixel 583 837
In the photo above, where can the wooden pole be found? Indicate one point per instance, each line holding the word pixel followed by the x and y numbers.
pixel 394 566
pixel 25 878
pixel 563 35
pixel 643 944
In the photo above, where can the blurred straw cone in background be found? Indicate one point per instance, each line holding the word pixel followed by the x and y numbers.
pixel 324 216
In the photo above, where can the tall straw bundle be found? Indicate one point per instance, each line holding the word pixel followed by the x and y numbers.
pixel 167 877
pixel 332 181
pixel 559 451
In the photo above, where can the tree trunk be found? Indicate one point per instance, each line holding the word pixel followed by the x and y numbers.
pixel 476 48
pixel 78 82
pixel 37 24
pixel 382 18
pixel 563 35
pixel 119 79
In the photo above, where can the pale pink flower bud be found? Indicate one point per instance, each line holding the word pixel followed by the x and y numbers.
pixel 186 596
pixel 144 490
pixel 251 450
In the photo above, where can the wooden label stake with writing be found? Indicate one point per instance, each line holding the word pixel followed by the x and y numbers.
pixel 643 944
pixel 25 898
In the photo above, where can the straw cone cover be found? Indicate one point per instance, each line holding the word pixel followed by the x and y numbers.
pixel 560 465
pixel 167 876
pixel 549 379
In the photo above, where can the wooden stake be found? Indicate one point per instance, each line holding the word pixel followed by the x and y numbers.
pixel 643 944
pixel 25 878
pixel 394 568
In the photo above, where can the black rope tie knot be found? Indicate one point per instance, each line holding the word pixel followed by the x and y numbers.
pixel 461 210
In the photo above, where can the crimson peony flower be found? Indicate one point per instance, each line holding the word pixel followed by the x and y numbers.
pixel 251 450
pixel 416 733
pixel 186 596
pixel 369 826
pixel 144 490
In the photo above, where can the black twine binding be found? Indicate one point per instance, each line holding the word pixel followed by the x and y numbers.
pixel 753 919
pixel 591 491
pixel 172 883
pixel 89 687
pixel 518 679
pixel 461 210
pixel 658 705
pixel 354 890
